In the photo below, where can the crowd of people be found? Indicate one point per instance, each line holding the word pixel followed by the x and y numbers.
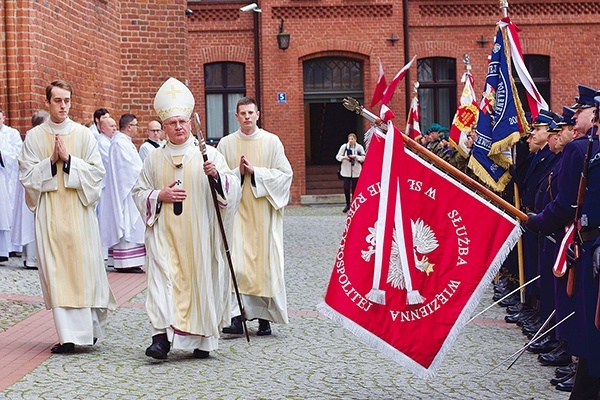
pixel 81 199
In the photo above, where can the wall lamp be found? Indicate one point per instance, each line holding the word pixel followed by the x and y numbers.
pixel 283 39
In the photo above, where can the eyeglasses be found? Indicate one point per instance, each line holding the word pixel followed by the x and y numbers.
pixel 173 124
pixel 154 130
pixel 134 124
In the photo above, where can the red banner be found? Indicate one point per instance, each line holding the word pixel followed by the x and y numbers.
pixel 413 305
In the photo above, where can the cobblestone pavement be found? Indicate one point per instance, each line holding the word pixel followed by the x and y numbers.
pixel 310 358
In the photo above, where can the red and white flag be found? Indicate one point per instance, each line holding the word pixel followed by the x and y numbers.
pixel 413 129
pixel 389 91
pixel 380 87
pixel 534 98
pixel 414 258
pixel 560 264
pixel 466 116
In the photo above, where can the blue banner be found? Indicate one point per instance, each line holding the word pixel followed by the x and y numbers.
pixel 501 120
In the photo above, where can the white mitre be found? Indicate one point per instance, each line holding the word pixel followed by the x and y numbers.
pixel 173 99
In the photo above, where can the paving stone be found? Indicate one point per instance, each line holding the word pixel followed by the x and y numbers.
pixel 310 358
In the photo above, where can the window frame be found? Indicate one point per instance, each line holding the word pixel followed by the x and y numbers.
pixel 225 90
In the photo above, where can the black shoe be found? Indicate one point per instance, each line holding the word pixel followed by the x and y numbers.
pixel 556 381
pixel 510 300
pixel 559 372
pixel 132 270
pixel 29 266
pixel 15 254
pixel 532 325
pixel 159 348
pixel 514 318
pixel 201 353
pixel 566 386
pixel 555 359
pixel 546 345
pixel 345 210
pixel 62 348
pixel 264 328
pixel 236 327
pixel 498 295
pixel 3 259
pixel 516 308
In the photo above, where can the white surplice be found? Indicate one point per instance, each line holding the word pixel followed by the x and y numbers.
pixel 10 148
pixel 257 249
pixel 120 217
pixel 71 268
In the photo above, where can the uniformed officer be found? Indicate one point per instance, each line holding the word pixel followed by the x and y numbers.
pixel 559 213
pixel 542 160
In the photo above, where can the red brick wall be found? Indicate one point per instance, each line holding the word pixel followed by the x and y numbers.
pixel 153 48
pixel 116 53
pixel 52 43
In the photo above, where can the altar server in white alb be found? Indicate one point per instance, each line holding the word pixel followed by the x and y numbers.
pixel 61 170
pixel 189 284
pixel 122 227
pixel 10 148
pixel 257 157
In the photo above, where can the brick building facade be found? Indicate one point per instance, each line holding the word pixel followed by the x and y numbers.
pixel 116 53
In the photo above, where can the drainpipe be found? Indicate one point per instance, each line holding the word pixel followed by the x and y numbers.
pixel 406 52
pixel 257 60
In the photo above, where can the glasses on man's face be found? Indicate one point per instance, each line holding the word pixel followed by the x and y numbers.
pixel 134 124
pixel 174 124
pixel 155 130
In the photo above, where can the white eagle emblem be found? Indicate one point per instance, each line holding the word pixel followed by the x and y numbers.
pixel 424 242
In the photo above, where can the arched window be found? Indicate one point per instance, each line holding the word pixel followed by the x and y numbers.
pixel 224 85
pixel 539 69
pixel 339 76
pixel 437 90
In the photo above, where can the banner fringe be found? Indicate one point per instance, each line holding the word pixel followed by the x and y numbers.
pixel 414 297
pixel 376 296
pixel 375 342
pixel 483 175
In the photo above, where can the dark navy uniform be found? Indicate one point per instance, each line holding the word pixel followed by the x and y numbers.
pixel 560 213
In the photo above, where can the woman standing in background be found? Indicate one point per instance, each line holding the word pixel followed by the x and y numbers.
pixel 351 155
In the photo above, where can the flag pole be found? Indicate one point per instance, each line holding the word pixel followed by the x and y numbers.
pixel 415 94
pixel 504 8
pixel 353 105
pixel 520 257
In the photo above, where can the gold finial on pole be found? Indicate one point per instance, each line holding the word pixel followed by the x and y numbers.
pixel 504 7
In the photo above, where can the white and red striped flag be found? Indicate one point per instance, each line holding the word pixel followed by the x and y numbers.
pixel 560 264
pixel 534 98
pixel 413 129
pixel 380 87
pixel 389 91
